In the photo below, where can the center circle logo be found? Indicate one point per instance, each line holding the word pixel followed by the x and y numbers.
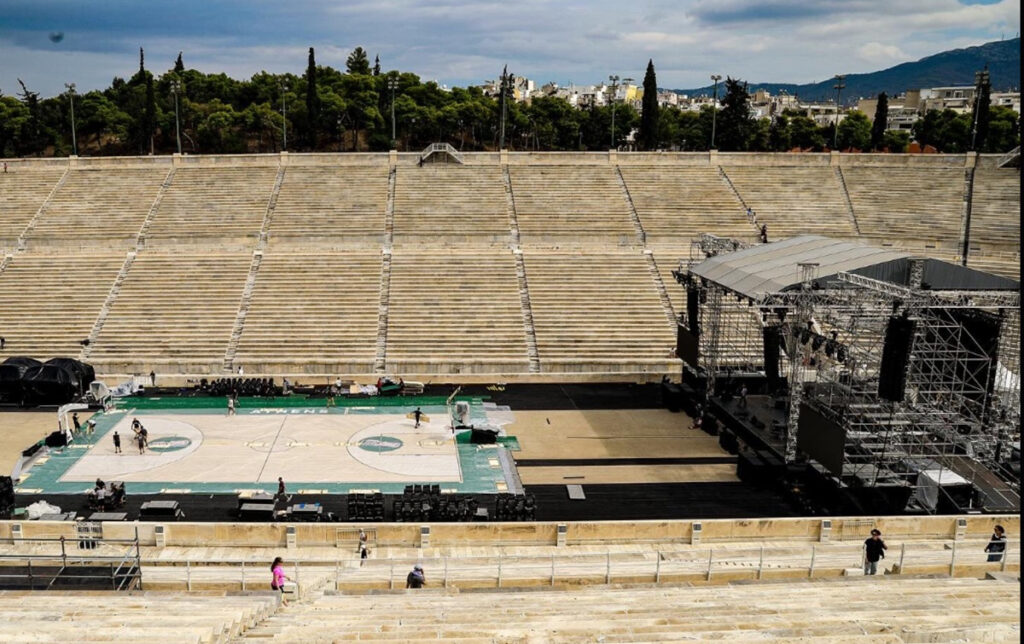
pixel 169 443
pixel 380 444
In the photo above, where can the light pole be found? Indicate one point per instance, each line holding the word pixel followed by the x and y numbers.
pixel 393 85
pixel 980 79
pixel 284 115
pixel 506 86
pixel 612 88
pixel 714 108
pixel 175 90
pixel 839 103
pixel 71 96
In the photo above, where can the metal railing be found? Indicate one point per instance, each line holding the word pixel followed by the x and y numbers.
pixel 655 566
pixel 122 568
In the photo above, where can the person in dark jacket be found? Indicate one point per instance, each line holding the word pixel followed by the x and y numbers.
pixel 416 578
pixel 874 549
pixel 997 544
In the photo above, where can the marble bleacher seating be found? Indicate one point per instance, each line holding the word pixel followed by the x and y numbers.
pixel 22 192
pixel 442 204
pixel 455 312
pixel 794 200
pixel 571 205
pixel 312 311
pixel 173 309
pixel 50 301
pixel 99 208
pixel 331 206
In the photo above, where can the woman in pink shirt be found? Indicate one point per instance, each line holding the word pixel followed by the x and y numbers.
pixel 277 583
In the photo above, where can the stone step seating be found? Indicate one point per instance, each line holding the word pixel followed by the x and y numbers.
pixel 130 617
pixel 597 311
pixel 995 211
pixel 916 205
pixel 176 311
pixel 794 200
pixel 213 206
pixel 326 205
pixel 314 310
pixel 455 312
pixel 684 202
pixel 21 194
pixel 571 204
pixel 49 302
pixel 99 207
pixel 450 205
pixel 999 263
pixel 850 610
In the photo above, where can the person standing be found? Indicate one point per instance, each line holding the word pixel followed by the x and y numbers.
pixel 764 233
pixel 3 341
pixel 281 492
pixel 362 539
pixel 141 440
pixel 997 544
pixel 117 442
pixel 78 425
pixel 278 578
pixel 743 396
pixel 330 396
pixel 152 378
pixel 416 578
pixel 364 553
pixel 231 406
pixel 417 415
pixel 874 549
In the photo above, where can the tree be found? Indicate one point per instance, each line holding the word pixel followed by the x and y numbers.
pixel 179 66
pixel 376 65
pixel 778 134
pixel 804 133
pixel 734 121
pixel 649 115
pixel 855 131
pixel 312 102
pixel 881 123
pixel 1003 130
pixel 896 141
pixel 358 63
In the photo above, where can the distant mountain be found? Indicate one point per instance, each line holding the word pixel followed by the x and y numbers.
pixel 953 67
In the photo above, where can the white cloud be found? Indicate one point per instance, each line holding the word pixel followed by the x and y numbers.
pixel 876 52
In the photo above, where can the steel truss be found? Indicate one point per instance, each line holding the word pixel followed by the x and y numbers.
pixel 959 410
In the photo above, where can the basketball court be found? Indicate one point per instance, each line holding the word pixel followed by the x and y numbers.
pixel 334 450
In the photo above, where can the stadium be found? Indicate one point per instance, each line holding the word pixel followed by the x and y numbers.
pixel 567 385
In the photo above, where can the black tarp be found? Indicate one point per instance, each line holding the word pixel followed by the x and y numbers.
pixel 11 373
pixel 50 385
pixel 84 373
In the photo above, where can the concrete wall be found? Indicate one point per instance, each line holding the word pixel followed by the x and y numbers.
pixel 537 533
pixel 384 159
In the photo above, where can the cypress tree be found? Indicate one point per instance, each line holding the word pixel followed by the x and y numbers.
pixel 376 65
pixel 179 66
pixel 649 117
pixel 881 121
pixel 734 120
pixel 312 102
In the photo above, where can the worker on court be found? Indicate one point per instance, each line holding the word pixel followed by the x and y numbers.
pixel 417 415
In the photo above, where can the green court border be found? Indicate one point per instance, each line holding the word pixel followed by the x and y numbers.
pixel 475 461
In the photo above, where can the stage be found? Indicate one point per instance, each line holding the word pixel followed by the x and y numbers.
pixel 200 449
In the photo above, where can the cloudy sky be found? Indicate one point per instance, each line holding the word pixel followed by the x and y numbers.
pixel 459 42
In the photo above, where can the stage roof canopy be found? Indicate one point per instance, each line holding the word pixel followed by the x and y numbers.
pixel 771 268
